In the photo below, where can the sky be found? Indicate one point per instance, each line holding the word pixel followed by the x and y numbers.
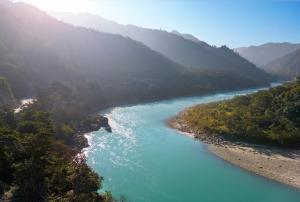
pixel 234 23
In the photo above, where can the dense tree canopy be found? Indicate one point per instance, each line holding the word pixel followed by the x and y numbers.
pixel 36 164
pixel 270 116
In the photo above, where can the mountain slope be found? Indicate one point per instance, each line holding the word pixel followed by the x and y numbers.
pixel 108 69
pixel 189 37
pixel 287 67
pixel 264 54
pixel 48 50
pixel 182 49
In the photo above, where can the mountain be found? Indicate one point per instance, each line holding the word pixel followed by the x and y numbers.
pixel 44 50
pixel 183 49
pixel 266 53
pixel 287 67
pixel 107 69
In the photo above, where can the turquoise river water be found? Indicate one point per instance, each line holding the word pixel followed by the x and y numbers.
pixel 144 160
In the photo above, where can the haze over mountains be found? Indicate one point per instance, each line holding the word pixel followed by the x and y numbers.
pixel 183 49
pixel 189 37
pixel 280 59
pixel 266 53
pixel 287 67
pixel 37 50
pixel 43 50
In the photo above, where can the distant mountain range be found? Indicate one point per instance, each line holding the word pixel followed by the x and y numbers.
pixel 266 53
pixel 183 49
pixel 287 67
pixel 37 50
pixel 276 58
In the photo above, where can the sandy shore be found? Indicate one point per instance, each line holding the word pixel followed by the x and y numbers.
pixel 281 165
pixel 275 164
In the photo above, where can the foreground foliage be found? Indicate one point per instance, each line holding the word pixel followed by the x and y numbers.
pixel 36 166
pixel 270 117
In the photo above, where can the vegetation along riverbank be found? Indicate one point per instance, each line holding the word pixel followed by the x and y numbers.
pixel 258 132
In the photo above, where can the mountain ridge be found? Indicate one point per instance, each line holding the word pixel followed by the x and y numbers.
pixel 183 51
pixel 111 69
pixel 263 54
pixel 286 67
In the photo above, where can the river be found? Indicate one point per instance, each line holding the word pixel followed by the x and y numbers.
pixel 144 160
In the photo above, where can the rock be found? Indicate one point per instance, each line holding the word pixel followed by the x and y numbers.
pixel 103 121
pixel 94 123
pixel 108 129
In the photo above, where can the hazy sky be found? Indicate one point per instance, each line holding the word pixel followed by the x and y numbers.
pixel 234 23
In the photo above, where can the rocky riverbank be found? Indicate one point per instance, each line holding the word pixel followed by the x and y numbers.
pixel 92 123
pixel 282 165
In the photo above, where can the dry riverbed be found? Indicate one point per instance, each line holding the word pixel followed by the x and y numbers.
pixel 282 165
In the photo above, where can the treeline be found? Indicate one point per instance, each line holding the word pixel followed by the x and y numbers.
pixel 35 166
pixel 269 117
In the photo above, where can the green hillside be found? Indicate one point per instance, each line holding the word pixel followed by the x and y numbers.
pixel 269 117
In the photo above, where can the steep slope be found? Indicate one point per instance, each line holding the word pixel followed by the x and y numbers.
pixel 287 67
pixel 45 50
pixel 182 49
pixel 107 69
pixel 264 54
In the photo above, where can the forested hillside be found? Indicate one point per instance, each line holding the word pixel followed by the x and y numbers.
pixel 267 117
pixel 36 165
pixel 37 50
pixel 73 72
pixel 39 149
pixel 179 48
pixel 57 78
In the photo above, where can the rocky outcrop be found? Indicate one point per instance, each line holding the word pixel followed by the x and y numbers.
pixel 92 123
pixel 103 121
